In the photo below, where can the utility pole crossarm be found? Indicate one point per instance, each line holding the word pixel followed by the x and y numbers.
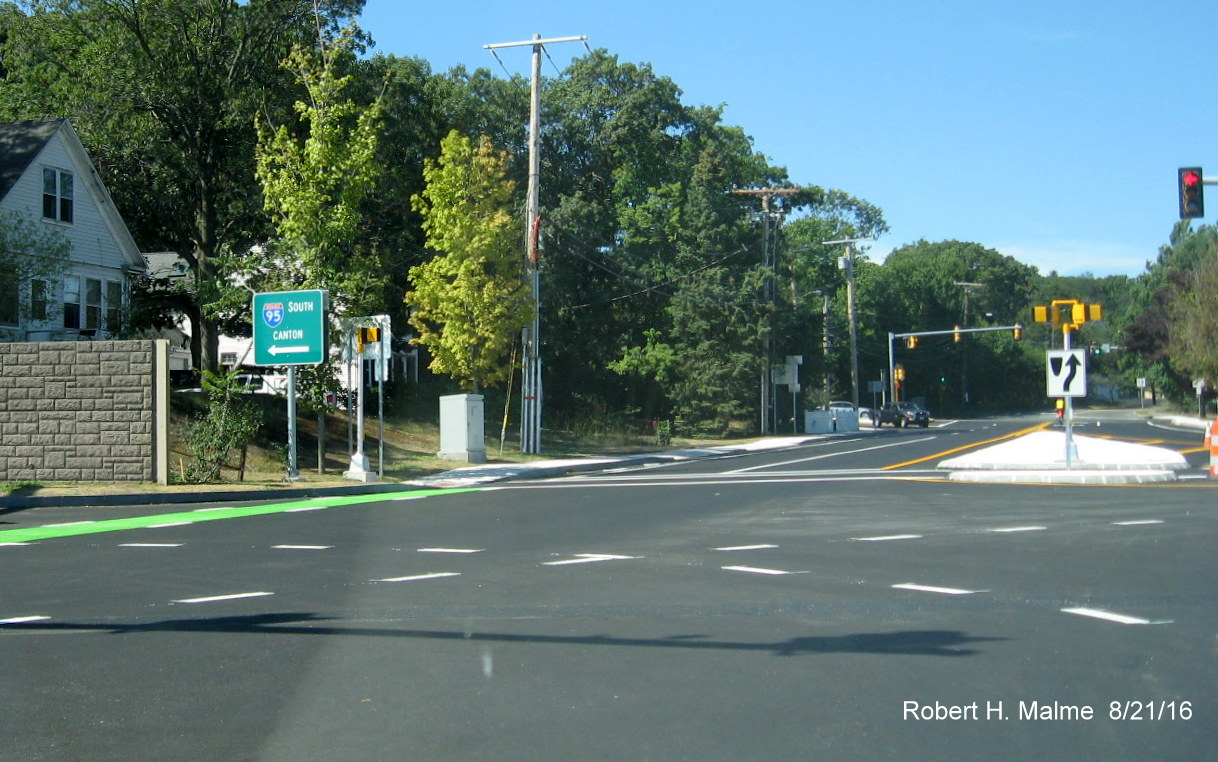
pixel 549 41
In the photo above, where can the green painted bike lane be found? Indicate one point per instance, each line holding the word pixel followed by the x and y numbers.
pixel 51 532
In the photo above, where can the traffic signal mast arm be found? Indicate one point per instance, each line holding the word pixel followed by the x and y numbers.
pixel 1016 330
pixel 953 331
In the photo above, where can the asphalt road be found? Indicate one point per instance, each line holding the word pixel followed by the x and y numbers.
pixel 833 601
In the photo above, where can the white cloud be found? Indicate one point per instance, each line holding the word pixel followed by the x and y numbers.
pixel 1079 257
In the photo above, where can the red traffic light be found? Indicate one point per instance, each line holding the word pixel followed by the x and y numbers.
pixel 1192 193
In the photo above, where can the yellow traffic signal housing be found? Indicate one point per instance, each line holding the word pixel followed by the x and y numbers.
pixel 1017 332
pixel 956 337
pixel 1078 313
pixel 366 335
pixel 911 342
pixel 899 371
pixel 1040 314
pixel 1095 312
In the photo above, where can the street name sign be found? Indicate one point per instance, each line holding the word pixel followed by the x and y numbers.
pixel 291 327
pixel 1066 373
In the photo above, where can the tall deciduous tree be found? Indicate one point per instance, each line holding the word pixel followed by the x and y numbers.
pixel 164 93
pixel 315 179
pixel 470 301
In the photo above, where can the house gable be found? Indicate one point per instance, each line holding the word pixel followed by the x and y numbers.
pixel 47 177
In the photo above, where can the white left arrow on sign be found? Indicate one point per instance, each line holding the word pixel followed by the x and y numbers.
pixel 277 350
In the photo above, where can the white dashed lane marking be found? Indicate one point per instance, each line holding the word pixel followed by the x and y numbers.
pixel 747 547
pixel 451 550
pixel 888 537
pixel 23 619
pixel 756 570
pixel 228 597
pixel 589 558
pixel 1112 616
pixel 933 589
pixel 419 577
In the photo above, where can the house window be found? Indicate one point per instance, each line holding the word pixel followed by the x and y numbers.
pixel 9 312
pixel 71 302
pixel 93 304
pixel 40 292
pixel 114 307
pixel 57 195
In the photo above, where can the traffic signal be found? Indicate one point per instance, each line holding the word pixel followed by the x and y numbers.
pixel 911 342
pixel 1192 193
pixel 1017 332
pixel 956 337
pixel 366 335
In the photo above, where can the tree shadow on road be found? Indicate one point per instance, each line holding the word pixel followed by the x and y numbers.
pixel 949 643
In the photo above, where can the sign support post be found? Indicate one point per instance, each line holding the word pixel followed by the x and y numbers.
pixel 291 328
pixel 1071 450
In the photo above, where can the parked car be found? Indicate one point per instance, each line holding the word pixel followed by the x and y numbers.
pixel 903 414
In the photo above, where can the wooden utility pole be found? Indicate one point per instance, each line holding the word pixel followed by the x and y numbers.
pixel 530 391
pixel 771 265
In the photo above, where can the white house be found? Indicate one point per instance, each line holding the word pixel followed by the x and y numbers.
pixel 47 177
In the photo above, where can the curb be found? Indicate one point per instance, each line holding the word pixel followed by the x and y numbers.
pixel 21 502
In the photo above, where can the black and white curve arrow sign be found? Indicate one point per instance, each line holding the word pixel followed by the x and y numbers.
pixel 1067 373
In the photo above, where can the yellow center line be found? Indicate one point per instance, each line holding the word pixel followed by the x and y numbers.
pixel 1012 435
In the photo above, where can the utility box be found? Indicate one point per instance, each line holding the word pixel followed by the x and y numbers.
pixel 818 422
pixel 461 428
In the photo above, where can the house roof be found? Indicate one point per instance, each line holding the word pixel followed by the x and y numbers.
pixel 20 143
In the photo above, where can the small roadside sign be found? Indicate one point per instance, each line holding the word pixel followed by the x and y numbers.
pixel 1066 373
pixel 291 327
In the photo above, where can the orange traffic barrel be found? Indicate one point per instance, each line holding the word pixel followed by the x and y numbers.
pixel 1211 442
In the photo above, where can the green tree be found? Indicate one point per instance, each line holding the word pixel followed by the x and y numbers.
pixel 470 301
pixel 922 288
pixel 1161 338
pixel 316 178
pixel 164 94
pixel 28 253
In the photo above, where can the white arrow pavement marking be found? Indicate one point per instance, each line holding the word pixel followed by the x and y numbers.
pixel 1111 616
pixel 756 570
pixel 589 558
pixel 214 598
pixel 933 589
pixel 277 350
pixel 418 577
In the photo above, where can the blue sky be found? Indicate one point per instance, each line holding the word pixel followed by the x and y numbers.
pixel 1050 131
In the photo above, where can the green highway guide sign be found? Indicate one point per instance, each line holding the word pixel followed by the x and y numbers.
pixel 291 327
